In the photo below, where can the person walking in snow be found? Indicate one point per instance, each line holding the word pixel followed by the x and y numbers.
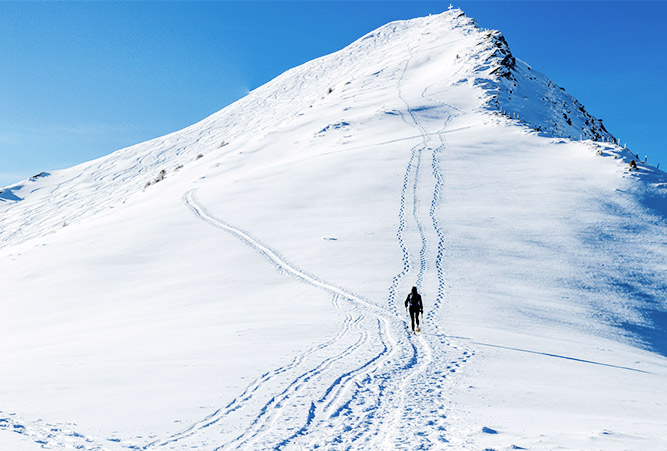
pixel 414 303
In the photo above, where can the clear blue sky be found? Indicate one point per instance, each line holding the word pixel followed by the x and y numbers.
pixel 79 80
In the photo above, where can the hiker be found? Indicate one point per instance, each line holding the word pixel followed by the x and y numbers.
pixel 414 303
pixel 633 165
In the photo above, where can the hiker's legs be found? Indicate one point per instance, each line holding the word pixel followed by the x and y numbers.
pixel 412 318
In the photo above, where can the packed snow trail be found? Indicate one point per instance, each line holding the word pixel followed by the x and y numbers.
pixel 280 262
pixel 260 383
pixel 265 421
pixel 399 429
pixel 408 427
pixel 365 405
pixel 394 390
pixel 398 388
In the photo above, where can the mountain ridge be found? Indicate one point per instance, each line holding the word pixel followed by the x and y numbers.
pixel 487 61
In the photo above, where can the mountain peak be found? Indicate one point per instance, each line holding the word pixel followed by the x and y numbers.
pixel 520 92
pixel 510 86
pixel 460 65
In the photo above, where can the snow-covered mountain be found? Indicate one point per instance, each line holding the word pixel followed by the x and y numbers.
pixel 240 283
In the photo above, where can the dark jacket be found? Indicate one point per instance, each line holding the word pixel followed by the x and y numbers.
pixel 414 301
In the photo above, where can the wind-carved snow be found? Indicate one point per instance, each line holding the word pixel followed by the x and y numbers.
pixel 525 94
pixel 240 284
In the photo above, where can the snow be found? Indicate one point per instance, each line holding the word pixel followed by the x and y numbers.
pixel 252 297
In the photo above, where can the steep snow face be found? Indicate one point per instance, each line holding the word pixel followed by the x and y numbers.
pixel 240 284
pixel 525 94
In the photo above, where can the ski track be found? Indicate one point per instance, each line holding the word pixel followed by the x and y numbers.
pixel 242 400
pixel 374 404
pixel 332 402
pixel 337 393
pixel 323 411
pixel 372 385
pixel 270 412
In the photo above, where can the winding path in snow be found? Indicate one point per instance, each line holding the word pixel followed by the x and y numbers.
pixel 416 424
pixel 334 396
pixel 373 403
pixel 375 399
pixel 370 386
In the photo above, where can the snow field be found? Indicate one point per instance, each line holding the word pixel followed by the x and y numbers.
pixel 548 332
pixel 253 299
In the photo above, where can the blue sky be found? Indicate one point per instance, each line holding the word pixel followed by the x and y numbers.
pixel 79 80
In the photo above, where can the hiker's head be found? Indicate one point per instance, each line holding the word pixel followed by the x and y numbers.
pixel 414 290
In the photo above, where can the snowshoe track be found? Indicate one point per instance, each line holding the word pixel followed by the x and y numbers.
pixel 375 402
pixel 302 396
pixel 410 427
pixel 362 388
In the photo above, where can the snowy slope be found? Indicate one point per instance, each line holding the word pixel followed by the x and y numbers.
pixel 525 94
pixel 251 296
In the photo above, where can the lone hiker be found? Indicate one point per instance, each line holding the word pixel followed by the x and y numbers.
pixel 414 302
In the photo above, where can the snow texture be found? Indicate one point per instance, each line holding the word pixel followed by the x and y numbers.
pixel 239 284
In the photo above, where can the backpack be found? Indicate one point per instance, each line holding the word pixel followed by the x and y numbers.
pixel 415 301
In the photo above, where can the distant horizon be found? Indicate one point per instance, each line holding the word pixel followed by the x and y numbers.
pixel 83 80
